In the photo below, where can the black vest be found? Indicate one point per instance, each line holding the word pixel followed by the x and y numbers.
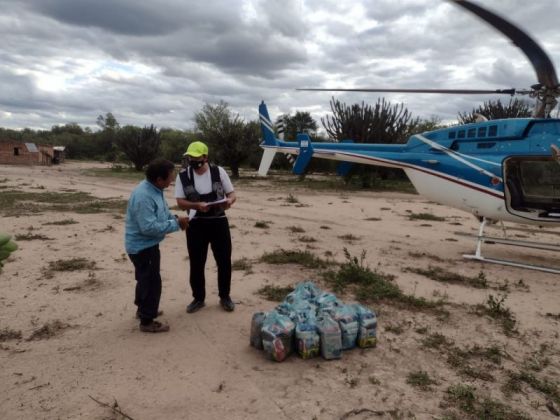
pixel 187 179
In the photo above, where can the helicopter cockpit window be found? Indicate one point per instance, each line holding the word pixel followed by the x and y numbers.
pixel 552 127
pixel 534 186
pixel 482 132
pixel 451 134
pixel 461 134
pixel 471 133
pixel 493 131
pixel 540 179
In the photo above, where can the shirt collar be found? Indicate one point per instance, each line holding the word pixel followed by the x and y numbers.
pixel 153 187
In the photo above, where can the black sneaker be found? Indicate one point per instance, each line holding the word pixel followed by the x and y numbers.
pixel 227 304
pixel 154 327
pixel 195 305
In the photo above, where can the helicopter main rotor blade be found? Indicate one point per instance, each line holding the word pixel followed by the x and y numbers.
pixel 544 68
pixel 463 91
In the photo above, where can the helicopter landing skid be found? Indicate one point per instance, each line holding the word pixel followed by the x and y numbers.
pixel 512 263
pixel 494 240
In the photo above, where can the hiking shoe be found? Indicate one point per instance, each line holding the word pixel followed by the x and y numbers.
pixel 154 327
pixel 227 304
pixel 195 305
pixel 159 313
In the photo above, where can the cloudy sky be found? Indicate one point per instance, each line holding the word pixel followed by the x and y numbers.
pixel 159 61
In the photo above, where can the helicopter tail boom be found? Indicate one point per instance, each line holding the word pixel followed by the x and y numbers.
pixel 346 152
pixel 271 144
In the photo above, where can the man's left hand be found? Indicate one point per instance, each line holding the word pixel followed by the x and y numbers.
pixel 228 203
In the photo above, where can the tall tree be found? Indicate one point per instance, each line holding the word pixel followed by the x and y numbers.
pixel 72 128
pixel 79 143
pixel 174 143
pixel 107 122
pixel 230 139
pixel 362 123
pixel 430 124
pixel 493 110
pixel 252 140
pixel 301 122
pixel 106 137
pixel 382 123
pixel 140 145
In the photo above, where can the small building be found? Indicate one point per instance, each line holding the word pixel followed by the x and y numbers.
pixel 59 154
pixel 19 153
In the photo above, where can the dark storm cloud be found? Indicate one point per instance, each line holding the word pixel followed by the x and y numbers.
pixel 124 17
pixel 240 51
pixel 213 33
pixel 232 53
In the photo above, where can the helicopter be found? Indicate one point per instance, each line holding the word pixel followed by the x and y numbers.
pixel 497 170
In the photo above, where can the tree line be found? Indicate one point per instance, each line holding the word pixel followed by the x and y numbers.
pixel 234 142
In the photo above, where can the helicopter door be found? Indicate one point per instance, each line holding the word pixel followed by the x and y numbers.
pixel 533 187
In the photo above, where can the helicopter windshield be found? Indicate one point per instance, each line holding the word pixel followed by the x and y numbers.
pixel 540 179
pixel 533 185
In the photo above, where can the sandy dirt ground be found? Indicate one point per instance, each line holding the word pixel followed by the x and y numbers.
pixel 79 338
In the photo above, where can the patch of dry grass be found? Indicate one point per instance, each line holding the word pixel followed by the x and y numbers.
pixel 274 293
pixel 32 237
pixel 18 203
pixel 48 330
pixel 445 276
pixel 373 286
pixel 71 264
pixel 421 380
pixel 62 222
pixel 287 256
pixel 426 216
pixel 9 334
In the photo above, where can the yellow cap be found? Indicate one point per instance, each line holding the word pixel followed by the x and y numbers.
pixel 196 149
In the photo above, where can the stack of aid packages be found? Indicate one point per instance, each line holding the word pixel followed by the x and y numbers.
pixel 312 321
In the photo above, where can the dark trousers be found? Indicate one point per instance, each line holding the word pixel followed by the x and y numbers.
pixel 148 282
pixel 201 233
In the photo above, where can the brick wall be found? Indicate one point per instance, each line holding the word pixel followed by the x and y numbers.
pixel 24 157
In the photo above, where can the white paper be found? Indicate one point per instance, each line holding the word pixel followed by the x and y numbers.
pixel 213 203
pixel 192 212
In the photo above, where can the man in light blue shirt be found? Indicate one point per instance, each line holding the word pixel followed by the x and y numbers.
pixel 148 220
